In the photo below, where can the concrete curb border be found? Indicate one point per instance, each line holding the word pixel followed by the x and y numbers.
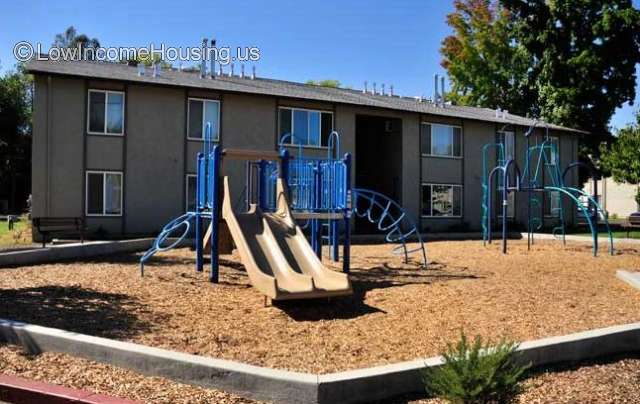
pixel 351 386
pixel 632 278
pixel 62 252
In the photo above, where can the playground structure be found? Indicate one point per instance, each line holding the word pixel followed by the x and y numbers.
pixel 542 174
pixel 280 191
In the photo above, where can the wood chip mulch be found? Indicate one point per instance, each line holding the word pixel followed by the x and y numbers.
pixel 398 312
pixel 82 374
pixel 611 382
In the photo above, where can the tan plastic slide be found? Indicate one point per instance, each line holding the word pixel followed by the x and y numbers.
pixel 279 261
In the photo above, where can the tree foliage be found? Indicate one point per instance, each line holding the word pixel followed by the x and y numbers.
pixel 71 39
pixel 325 83
pixel 486 67
pixel 622 158
pixel 571 62
pixel 15 132
pixel 475 373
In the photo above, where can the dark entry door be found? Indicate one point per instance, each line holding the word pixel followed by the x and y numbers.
pixel 378 159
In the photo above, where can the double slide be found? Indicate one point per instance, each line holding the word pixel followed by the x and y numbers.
pixel 278 259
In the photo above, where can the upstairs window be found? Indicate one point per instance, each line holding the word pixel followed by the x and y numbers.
pixel 304 127
pixel 200 113
pixel 103 193
pixel 441 140
pixel 105 112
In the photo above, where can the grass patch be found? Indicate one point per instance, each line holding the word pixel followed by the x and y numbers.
pixel 19 235
pixel 615 233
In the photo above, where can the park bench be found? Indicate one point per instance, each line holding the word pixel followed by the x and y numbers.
pixel 51 225
pixel 633 222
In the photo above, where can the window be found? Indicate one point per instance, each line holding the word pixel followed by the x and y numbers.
pixel 553 204
pixel 105 112
pixel 104 193
pixel 508 140
pixel 304 127
pixel 190 197
pixel 554 154
pixel 201 112
pixel 441 200
pixel 441 140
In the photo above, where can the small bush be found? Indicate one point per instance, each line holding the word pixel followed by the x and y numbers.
pixel 476 373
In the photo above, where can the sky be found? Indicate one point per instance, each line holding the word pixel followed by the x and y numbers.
pixel 392 42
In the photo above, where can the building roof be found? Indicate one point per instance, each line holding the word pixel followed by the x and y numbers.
pixel 279 88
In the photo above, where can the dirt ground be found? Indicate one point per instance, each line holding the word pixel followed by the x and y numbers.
pixel 398 312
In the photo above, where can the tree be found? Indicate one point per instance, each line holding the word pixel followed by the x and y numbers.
pixel 325 83
pixel 622 158
pixel 571 62
pixel 15 137
pixel 585 53
pixel 70 39
pixel 150 59
pixel 486 67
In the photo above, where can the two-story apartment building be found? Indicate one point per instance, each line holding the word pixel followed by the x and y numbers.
pixel 119 148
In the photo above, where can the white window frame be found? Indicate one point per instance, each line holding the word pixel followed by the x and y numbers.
pixel 106 107
pixel 186 190
pixel 104 193
pixel 304 146
pixel 431 184
pixel 431 154
pixel 216 138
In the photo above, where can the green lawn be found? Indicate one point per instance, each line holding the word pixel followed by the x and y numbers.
pixel 21 233
pixel 615 233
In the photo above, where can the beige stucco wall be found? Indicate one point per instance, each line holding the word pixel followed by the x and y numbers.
pixel 155 155
pixel 617 199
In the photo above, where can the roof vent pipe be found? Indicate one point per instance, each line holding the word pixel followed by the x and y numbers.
pixel 391 90
pixel 212 70
pixel 242 71
pixel 220 69
pixel 436 96
pixel 253 72
pixel 366 89
pixel 231 70
pixel 374 88
pixel 442 91
pixel 498 112
pixel 382 89
pixel 140 69
pixel 203 63
pixel 155 69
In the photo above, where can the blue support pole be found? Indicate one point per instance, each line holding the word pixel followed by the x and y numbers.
pixel 262 184
pixel 199 246
pixel 316 227
pixel 335 253
pixel 346 248
pixel 284 166
pixel 215 214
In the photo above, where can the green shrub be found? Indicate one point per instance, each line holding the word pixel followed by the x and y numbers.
pixel 476 373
